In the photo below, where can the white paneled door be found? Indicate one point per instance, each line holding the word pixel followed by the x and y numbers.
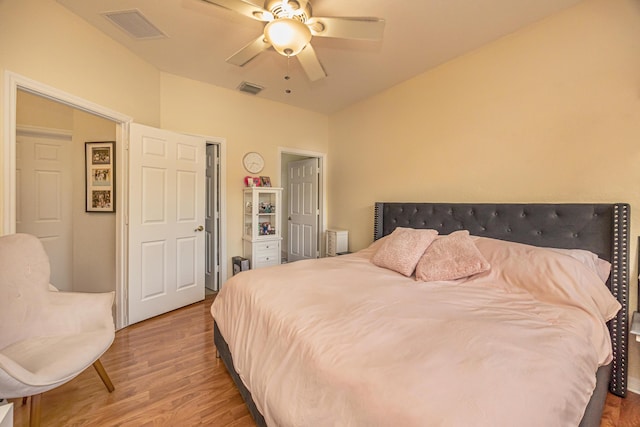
pixel 303 210
pixel 166 221
pixel 43 197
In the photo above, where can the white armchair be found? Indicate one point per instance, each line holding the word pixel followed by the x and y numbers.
pixel 47 337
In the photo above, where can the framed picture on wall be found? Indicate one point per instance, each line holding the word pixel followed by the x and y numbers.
pixel 100 176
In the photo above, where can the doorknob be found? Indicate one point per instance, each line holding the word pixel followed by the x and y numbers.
pixel 200 228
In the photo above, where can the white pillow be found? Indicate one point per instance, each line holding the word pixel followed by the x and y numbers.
pixel 600 266
pixel 549 276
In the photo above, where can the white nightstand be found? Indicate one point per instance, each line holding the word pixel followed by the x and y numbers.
pixel 337 242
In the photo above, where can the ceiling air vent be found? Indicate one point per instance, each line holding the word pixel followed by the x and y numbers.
pixel 134 23
pixel 251 88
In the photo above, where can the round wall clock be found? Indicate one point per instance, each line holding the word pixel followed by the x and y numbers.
pixel 253 162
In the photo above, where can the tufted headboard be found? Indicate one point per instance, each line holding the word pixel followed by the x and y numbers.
pixel 600 228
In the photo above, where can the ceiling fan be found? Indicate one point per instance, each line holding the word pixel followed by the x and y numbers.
pixel 290 26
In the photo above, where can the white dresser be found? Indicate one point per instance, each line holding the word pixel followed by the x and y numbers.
pixel 337 241
pixel 262 235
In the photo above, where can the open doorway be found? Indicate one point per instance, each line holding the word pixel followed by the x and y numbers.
pixel 51 197
pixel 212 226
pixel 14 84
pixel 303 198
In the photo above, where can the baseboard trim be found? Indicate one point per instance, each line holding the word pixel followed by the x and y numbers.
pixel 633 385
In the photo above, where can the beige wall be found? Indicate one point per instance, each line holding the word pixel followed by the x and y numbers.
pixel 247 123
pixel 548 114
pixel 33 110
pixel 41 40
pixel 93 233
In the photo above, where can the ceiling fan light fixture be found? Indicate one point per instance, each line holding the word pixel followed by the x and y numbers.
pixel 264 15
pixel 287 36
pixel 295 9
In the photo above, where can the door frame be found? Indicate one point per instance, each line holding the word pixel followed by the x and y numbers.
pixel 222 167
pixel 13 82
pixel 220 230
pixel 322 184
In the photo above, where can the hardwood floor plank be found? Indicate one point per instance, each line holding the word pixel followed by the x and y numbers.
pixel 629 411
pixel 611 411
pixel 166 373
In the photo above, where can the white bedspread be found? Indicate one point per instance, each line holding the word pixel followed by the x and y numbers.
pixel 341 342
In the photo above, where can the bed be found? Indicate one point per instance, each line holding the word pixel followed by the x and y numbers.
pixel 337 380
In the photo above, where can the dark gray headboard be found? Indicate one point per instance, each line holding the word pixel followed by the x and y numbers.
pixel 599 228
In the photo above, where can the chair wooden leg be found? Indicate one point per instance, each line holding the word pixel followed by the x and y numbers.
pixel 34 415
pixel 103 375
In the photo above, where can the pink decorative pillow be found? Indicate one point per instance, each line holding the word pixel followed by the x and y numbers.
pixel 403 248
pixel 451 257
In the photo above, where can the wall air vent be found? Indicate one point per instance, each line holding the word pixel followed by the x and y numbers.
pixel 251 88
pixel 134 23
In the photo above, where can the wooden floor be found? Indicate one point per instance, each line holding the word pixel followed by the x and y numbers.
pixel 166 374
pixel 619 412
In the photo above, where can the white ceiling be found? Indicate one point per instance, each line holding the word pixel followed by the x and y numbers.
pixel 418 35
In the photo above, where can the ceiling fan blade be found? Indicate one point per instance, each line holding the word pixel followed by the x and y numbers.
pixel 249 52
pixel 347 28
pixel 310 64
pixel 244 8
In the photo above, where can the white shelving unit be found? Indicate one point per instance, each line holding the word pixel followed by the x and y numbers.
pixel 262 233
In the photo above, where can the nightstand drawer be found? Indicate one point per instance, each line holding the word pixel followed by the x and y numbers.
pixel 262 253
pixel 267 249
pixel 266 253
pixel 267 260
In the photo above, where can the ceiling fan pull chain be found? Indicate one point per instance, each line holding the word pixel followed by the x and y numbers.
pixel 287 76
